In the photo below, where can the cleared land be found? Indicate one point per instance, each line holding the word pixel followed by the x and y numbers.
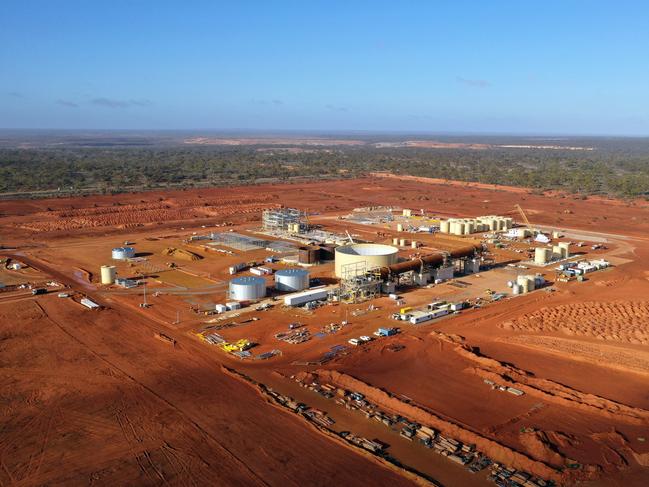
pixel 98 385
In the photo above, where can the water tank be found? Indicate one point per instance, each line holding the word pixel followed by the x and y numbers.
pixel 399 227
pixel 444 226
pixel 557 252
pixel 308 255
pixel 123 253
pixel 292 280
pixel 413 244
pixel 247 288
pixel 516 288
pixel 356 258
pixel 402 242
pixel 395 241
pixel 108 274
pixel 541 255
pixel 459 228
pixel 469 228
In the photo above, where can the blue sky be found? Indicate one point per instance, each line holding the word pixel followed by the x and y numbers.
pixel 551 67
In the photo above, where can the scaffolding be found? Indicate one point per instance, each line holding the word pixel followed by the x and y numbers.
pixel 358 283
pixel 238 241
pixel 282 219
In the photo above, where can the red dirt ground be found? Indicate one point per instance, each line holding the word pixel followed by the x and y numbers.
pixel 92 397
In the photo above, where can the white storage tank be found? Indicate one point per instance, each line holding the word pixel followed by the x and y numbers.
pixel 123 253
pixel 402 242
pixel 557 252
pixel 444 226
pixel 459 228
pixel 372 255
pixel 469 228
pixel 399 227
pixel 247 288
pixel 395 241
pixel 541 255
pixel 292 280
pixel 108 274
pixel 516 288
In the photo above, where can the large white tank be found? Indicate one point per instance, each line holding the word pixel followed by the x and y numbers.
pixel 444 226
pixel 247 288
pixel 292 280
pixel 108 274
pixel 541 255
pixel 363 257
pixel 123 253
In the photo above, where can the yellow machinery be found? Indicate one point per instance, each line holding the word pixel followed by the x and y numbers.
pixel 403 311
pixel 238 346
pixel 523 215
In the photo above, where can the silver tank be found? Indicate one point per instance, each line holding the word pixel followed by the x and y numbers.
pixel 247 288
pixel 291 280
pixel 123 253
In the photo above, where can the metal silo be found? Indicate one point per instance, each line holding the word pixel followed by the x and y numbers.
pixel 108 274
pixel 123 253
pixel 247 288
pixel 444 226
pixel 292 280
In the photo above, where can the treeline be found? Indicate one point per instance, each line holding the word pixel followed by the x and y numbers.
pixel 619 171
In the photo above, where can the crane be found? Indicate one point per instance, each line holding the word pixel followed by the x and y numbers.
pixel 522 213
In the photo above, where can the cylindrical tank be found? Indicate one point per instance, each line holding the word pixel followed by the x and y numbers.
pixel 247 288
pixel 395 241
pixel 444 226
pixel 493 224
pixel 123 253
pixel 469 228
pixel 557 252
pixel 541 255
pixel 565 249
pixel 531 283
pixel 508 223
pixel 524 283
pixel 413 244
pixel 327 252
pixel 357 258
pixel 399 227
pixel 459 228
pixel 308 255
pixel 516 288
pixel 402 242
pixel 108 274
pixel 291 280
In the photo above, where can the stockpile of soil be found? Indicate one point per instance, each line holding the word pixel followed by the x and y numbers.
pixel 181 254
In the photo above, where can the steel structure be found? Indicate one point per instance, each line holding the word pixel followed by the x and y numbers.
pixel 279 219
pixel 359 283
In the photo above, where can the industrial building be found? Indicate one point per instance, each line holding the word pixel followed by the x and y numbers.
pixel 283 220
pixel 291 280
pixel 247 288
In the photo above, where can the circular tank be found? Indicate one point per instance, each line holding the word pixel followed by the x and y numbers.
pixel 247 288
pixel 565 249
pixel 516 289
pixel 469 228
pixel 123 253
pixel 459 228
pixel 524 283
pixel 541 255
pixel 292 280
pixel 444 226
pixel 372 255
pixel 108 274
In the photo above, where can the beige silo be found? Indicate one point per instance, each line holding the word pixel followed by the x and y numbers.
pixel 541 255
pixel 108 274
